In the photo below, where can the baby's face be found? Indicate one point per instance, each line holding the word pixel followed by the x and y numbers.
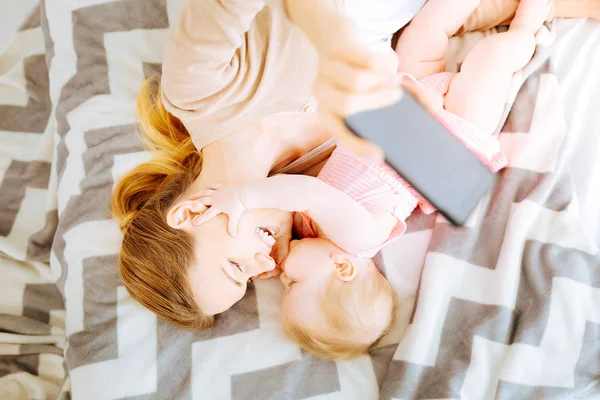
pixel 307 271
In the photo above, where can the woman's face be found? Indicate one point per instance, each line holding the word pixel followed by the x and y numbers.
pixel 224 264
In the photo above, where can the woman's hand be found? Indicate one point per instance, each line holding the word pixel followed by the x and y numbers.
pixel 351 78
pixel 221 200
pixel 270 274
pixel 351 81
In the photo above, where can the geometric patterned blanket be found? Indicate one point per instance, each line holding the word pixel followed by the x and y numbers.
pixel 504 307
pixel 509 305
pixel 32 334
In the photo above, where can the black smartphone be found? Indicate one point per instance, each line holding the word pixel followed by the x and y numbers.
pixel 426 155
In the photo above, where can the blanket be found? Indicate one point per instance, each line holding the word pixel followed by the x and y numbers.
pixel 507 306
pixel 32 335
pixel 502 308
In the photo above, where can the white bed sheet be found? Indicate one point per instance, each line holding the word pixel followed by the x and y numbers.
pixel 578 70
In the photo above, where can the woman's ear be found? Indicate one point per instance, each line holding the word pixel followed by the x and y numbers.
pixel 344 267
pixel 183 214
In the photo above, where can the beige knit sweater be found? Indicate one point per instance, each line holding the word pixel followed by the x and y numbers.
pixel 229 63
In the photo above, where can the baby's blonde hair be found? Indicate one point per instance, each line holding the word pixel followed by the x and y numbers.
pixel 351 319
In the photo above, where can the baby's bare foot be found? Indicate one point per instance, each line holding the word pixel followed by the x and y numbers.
pixel 530 15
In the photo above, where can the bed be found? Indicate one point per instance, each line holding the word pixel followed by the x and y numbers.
pixel 506 307
pixel 32 316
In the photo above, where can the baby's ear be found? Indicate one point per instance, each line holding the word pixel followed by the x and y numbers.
pixel 344 266
pixel 183 214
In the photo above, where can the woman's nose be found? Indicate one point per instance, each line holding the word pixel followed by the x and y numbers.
pixel 263 263
pixel 284 279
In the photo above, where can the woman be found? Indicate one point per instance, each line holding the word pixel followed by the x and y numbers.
pixel 239 78
pixel 235 106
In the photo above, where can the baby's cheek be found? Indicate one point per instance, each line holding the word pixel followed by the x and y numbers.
pixel 285 304
pixel 291 264
pixel 283 278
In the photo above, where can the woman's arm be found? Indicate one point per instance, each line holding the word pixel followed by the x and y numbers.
pixel 351 78
pixel 202 54
pixel 343 220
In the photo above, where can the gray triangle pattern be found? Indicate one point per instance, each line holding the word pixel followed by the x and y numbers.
pixel 527 322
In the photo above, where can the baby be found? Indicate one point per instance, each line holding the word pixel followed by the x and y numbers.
pixel 337 304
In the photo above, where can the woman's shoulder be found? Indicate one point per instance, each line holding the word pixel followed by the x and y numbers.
pixel 227 67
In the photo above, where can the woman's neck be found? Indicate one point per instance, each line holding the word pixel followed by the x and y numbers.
pixel 251 153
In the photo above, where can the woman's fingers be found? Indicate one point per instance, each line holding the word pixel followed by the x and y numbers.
pixel 360 147
pixel 365 73
pixel 419 94
pixel 269 274
pixel 341 103
pixel 351 79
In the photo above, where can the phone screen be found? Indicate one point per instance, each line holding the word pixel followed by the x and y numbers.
pixel 426 155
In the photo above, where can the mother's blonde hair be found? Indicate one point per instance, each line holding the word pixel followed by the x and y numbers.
pixel 155 258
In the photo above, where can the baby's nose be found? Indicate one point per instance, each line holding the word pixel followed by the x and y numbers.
pixel 263 263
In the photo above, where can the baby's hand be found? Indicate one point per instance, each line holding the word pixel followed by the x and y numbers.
pixel 221 200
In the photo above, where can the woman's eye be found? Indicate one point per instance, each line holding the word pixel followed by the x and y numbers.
pixel 237 265
pixel 291 282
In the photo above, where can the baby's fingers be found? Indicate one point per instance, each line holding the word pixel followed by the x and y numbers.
pixel 206 216
pixel 207 201
pixel 232 223
pixel 209 190
pixel 202 193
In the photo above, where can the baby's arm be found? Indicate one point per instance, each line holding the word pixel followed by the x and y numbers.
pixel 342 219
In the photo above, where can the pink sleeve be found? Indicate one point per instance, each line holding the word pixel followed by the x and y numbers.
pixel 397 232
pixel 375 186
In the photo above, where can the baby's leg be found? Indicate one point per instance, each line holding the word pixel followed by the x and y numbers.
pixel 422 47
pixel 478 93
